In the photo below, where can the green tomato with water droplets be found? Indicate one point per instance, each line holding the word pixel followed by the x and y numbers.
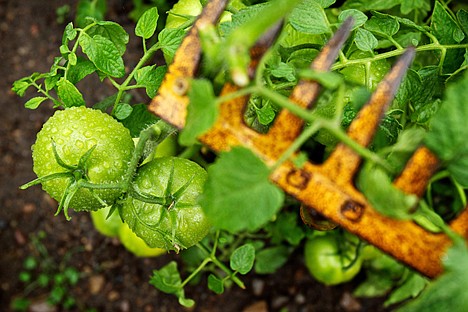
pixel 82 144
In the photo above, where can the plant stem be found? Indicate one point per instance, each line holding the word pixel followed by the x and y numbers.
pixel 145 58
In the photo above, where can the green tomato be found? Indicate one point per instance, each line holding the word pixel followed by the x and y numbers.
pixel 106 226
pixel 328 263
pixel 357 73
pixel 177 222
pixel 136 245
pixel 75 132
pixel 176 15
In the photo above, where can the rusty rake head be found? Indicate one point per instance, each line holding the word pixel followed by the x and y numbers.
pixel 327 188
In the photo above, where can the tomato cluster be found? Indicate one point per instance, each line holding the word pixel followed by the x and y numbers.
pixel 83 158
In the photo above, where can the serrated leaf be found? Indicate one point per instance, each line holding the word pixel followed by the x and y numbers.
pixel 383 25
pixel 365 40
pixel 444 27
pixel 146 25
pixel 151 78
pixel 284 70
pixel 266 114
pixel 112 32
pixel 358 17
pixel 242 259
pixel 448 133
pixel 309 17
pixel 80 70
pixel 235 183
pixel 215 284
pixel 201 112
pixel 269 260
pixel 34 102
pixel 104 55
pixel 69 94
pixel 170 39
pixel 69 33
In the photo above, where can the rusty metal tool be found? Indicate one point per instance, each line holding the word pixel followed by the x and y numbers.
pixel 327 188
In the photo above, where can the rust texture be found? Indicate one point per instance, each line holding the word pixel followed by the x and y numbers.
pixel 328 187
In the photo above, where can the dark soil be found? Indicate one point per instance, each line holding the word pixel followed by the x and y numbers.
pixel 112 279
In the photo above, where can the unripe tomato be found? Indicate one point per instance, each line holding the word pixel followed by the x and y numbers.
pixel 75 131
pixel 357 73
pixel 136 245
pixel 177 223
pixel 106 226
pixel 330 263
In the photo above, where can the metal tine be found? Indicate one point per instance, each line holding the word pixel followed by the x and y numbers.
pixel 417 172
pixel 344 162
pixel 171 101
pixel 415 177
pixel 230 128
pixel 288 126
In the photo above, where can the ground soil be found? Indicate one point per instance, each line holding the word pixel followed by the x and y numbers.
pixel 111 278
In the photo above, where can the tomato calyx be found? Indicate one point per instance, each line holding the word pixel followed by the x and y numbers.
pixel 77 175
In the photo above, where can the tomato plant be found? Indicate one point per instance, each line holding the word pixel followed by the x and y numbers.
pixel 233 219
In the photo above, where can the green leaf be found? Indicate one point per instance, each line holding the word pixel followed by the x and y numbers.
pixel 104 55
pixel 269 260
pixel 235 183
pixel 284 70
pixel 35 102
pixel 150 77
pixel 80 70
pixel 168 280
pixel 69 94
pixel 242 259
pixel 358 17
pixel 382 25
pixel 122 111
pixel 445 29
pixel 448 133
pixel 202 111
pixel 366 5
pixel 365 40
pixel 410 5
pixel 410 288
pixel 112 32
pixel 139 119
pixel 266 114
pixel 447 292
pixel 286 228
pixel 215 284
pixel 146 25
pixel 309 17
pixel 383 195
pixel 69 33
pixel 462 16
pixel 20 86
pixel 170 39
